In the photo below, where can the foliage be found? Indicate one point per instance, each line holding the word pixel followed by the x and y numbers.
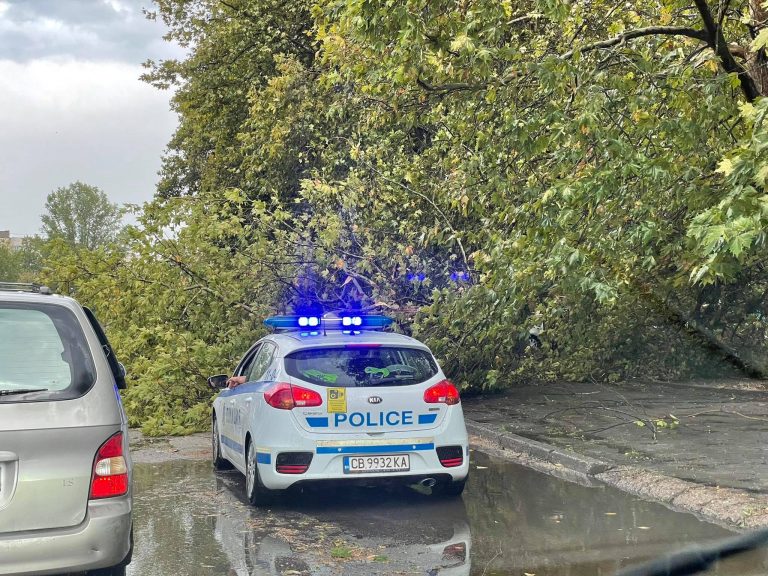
pixel 82 215
pixel 474 168
pixel 10 265
pixel 21 264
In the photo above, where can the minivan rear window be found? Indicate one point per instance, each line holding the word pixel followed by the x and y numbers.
pixel 44 355
pixel 351 367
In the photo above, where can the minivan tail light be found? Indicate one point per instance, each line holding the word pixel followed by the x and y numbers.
pixel 444 392
pixel 110 470
pixel 284 396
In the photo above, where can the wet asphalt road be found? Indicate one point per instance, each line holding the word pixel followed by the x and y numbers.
pixel 511 521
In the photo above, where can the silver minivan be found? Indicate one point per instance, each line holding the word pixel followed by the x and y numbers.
pixel 65 470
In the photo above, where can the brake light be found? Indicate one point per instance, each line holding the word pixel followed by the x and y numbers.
pixel 293 462
pixel 284 396
pixel 444 392
pixel 110 470
pixel 454 555
pixel 450 456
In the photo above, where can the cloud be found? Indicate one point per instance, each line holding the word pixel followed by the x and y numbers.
pixel 66 119
pixel 84 29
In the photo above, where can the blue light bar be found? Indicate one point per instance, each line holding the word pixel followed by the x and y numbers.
pixel 291 322
pixel 351 320
pixel 346 321
pixel 374 322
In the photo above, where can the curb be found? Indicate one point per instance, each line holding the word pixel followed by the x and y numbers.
pixel 547 452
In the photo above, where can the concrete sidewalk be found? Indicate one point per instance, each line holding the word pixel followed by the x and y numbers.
pixel 697 446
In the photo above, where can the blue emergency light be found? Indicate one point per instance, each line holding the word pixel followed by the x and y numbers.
pixel 345 322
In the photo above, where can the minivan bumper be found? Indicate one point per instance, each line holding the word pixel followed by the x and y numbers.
pixel 102 540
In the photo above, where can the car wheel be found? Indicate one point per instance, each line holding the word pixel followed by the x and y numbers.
pixel 257 493
pixel 450 489
pixel 219 462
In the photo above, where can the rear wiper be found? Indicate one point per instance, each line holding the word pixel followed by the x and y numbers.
pixel 696 559
pixel 22 391
pixel 388 380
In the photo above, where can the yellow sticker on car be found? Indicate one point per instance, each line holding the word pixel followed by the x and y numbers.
pixel 337 400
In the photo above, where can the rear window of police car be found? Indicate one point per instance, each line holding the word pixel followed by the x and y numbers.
pixel 351 367
pixel 42 350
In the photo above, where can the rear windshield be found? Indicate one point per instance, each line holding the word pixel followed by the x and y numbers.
pixel 43 354
pixel 361 367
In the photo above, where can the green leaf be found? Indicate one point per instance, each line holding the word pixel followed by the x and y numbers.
pixel 760 41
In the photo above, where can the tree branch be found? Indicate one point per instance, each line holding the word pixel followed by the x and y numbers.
pixel 639 33
pixel 716 41
pixel 453 87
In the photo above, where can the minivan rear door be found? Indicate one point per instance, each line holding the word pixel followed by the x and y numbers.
pixel 52 417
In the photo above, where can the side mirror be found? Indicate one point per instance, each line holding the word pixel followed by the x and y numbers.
pixel 120 376
pixel 218 382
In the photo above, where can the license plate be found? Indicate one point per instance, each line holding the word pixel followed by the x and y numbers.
pixel 371 464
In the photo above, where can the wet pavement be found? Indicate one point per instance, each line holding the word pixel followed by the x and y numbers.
pixel 190 521
pixel 712 433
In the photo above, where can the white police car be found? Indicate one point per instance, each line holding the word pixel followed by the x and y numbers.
pixel 336 399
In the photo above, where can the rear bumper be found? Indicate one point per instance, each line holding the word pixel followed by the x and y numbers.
pixel 363 480
pixel 329 451
pixel 424 464
pixel 102 540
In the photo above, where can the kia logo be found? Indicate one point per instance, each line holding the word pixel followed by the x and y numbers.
pixel 374 400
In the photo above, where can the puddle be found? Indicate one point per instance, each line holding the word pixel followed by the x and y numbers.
pixel 511 520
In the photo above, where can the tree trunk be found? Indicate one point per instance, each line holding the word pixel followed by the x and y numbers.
pixel 752 367
pixel 758 63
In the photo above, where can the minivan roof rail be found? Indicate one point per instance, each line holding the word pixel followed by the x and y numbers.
pixel 25 287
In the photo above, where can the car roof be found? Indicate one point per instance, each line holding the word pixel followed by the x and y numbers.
pixel 291 341
pixel 36 298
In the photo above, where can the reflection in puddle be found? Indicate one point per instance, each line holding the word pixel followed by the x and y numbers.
pixel 192 522
pixel 339 531
pixel 525 522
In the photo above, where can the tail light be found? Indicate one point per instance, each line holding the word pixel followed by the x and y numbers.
pixel 454 555
pixel 293 462
pixel 444 392
pixel 287 397
pixel 110 470
pixel 450 456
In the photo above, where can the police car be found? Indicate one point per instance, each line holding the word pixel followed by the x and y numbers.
pixel 336 398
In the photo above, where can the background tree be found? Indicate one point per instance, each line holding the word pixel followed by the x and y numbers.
pixel 474 168
pixel 10 263
pixel 81 215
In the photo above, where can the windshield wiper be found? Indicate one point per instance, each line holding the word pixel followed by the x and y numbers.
pixel 22 391
pixel 696 559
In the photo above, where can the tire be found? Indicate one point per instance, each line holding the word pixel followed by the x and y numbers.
pixel 450 489
pixel 219 462
pixel 255 491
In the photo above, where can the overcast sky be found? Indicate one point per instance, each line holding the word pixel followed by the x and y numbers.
pixel 72 106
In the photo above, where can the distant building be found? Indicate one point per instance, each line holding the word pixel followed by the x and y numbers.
pixel 15 242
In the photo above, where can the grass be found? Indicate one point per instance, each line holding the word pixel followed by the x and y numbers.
pixel 341 552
